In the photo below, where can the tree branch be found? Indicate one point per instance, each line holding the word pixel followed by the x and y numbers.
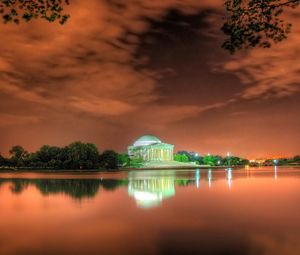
pixel 286 3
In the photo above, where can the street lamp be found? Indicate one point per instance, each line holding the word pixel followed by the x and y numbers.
pixel 228 159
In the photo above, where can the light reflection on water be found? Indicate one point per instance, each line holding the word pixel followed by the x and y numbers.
pixel 226 211
pixel 150 191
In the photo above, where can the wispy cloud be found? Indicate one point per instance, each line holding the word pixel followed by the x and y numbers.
pixel 84 66
pixel 268 73
pixel 10 119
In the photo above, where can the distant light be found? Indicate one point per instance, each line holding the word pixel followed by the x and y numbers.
pixel 208 154
pixel 196 154
pixel 228 154
pixel 219 162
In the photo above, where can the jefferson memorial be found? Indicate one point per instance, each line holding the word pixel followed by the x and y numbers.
pixel 151 148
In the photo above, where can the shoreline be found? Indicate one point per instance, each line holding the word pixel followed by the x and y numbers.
pixel 87 171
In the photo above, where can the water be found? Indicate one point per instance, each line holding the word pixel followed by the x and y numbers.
pixel 246 211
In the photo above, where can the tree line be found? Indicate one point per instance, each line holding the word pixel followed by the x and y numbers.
pixel 77 155
pixel 210 160
pixel 230 160
pixel 283 161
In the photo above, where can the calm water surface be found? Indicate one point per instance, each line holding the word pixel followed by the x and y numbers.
pixel 254 211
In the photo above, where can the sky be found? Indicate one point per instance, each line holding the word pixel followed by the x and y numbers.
pixel 121 69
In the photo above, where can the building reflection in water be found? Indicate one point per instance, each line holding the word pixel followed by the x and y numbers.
pixel 148 189
pixel 275 172
pixel 197 178
pixel 229 176
pixel 209 177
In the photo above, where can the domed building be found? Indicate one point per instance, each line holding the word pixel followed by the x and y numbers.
pixel 151 148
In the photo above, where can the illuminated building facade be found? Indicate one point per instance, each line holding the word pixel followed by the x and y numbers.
pixel 151 148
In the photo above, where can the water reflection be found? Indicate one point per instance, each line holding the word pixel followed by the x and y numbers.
pixel 75 188
pixel 194 213
pixel 149 191
pixel 229 177
pixel 209 177
pixel 197 177
pixel 148 188
pixel 275 172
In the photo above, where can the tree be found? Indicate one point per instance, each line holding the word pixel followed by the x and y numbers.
pixel 186 156
pixel 109 159
pixel 296 159
pixel 48 156
pixel 51 156
pixel 136 162
pixel 2 161
pixel 17 10
pixel 210 160
pixel 181 157
pixel 235 161
pixel 282 161
pixel 123 159
pixel 192 157
pixel 33 161
pixel 80 155
pixel 252 23
pixel 18 152
pixel 18 155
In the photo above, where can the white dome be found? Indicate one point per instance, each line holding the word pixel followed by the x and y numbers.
pixel 146 140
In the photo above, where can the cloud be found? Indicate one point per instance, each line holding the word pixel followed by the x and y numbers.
pixel 84 66
pixel 161 117
pixel 271 72
pixel 89 72
pixel 98 107
pixel 10 119
pixel 9 86
pixel 289 245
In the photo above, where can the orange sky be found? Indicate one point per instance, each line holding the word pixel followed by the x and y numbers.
pixel 114 73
